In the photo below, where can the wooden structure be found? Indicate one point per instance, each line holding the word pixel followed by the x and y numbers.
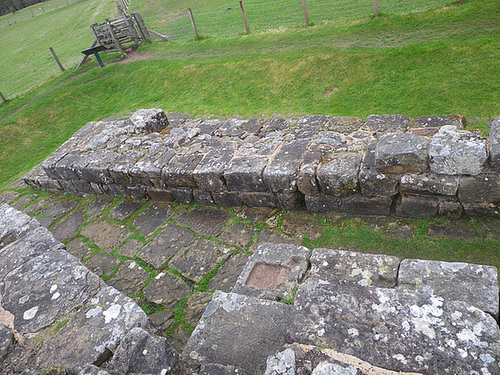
pixel 121 34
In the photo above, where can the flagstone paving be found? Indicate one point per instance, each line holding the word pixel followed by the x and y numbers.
pixel 170 258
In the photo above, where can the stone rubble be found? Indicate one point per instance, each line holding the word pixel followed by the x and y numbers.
pixel 385 165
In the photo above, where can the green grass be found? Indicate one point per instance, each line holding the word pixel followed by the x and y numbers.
pixel 438 62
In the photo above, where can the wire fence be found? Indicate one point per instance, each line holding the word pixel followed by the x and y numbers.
pixel 37 64
pixel 228 18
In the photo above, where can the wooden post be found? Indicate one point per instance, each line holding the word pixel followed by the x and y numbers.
pixel 3 98
pixel 244 16
pixel 191 17
pixel 375 5
pixel 55 58
pixel 141 26
pixel 306 14
pixel 114 37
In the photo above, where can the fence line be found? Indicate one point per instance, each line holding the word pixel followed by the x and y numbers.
pixel 220 21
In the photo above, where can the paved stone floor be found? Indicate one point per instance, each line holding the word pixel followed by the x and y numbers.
pixel 170 257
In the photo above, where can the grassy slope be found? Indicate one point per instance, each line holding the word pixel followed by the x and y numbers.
pixel 432 63
pixel 24 47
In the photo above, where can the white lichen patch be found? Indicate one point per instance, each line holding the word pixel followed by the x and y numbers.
pixel 92 313
pixel 401 358
pixel 30 314
pixel 55 296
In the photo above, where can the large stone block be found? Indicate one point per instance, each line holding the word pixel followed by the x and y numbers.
pixel 149 120
pixel 324 203
pixel 281 172
pixel 477 285
pixel 259 199
pixel 97 168
pixel 273 271
pixel 45 288
pixel 428 183
pixel 373 183
pixel 179 171
pixel 482 209
pixel 119 170
pixel 384 124
pixel 208 175
pixel 396 329
pixel 338 175
pixel 93 333
pixel 14 224
pixel 307 183
pixel 483 188
pixel 360 205
pixel 231 332
pixel 495 144
pixel 66 168
pixel 457 152
pixel 401 153
pixel 417 206
pixel 344 125
pixel 246 174
pixel 341 267
pixel 438 121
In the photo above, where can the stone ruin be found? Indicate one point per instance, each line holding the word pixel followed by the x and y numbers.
pixel 291 310
pixel 383 165
pixel 323 312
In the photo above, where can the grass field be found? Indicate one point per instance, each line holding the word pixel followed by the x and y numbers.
pixel 438 62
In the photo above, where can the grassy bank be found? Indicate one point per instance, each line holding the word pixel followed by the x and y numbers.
pixel 432 63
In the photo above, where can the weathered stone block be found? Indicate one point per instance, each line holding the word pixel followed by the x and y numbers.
pixel 495 144
pixel 85 187
pixel 45 288
pixel 246 174
pixel 339 174
pixel 129 279
pixel 417 206
pixel 474 284
pixel 14 224
pixel 384 124
pixel 93 333
pixel 438 121
pixel 68 187
pixel 482 209
pixel 456 152
pixel 208 175
pixel 182 195
pixel 48 165
pixel 166 290
pixel 324 203
pixel 344 125
pixel 141 353
pixel 259 199
pixel 401 153
pixel 451 208
pixel 149 120
pixel 360 205
pixel 179 171
pixel 373 183
pixel 429 183
pixel 231 127
pixel 97 168
pixel 119 170
pixel 273 271
pixel 248 345
pixel 227 199
pixel 66 168
pixel 200 257
pixel 317 151
pixel 289 201
pixel 483 188
pixel 209 126
pixel 281 171
pixel 397 329
pixel 163 195
pixel 203 197
pixel 165 245
pixel 341 267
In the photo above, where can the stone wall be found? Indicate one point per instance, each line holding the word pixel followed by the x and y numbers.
pixel 379 166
